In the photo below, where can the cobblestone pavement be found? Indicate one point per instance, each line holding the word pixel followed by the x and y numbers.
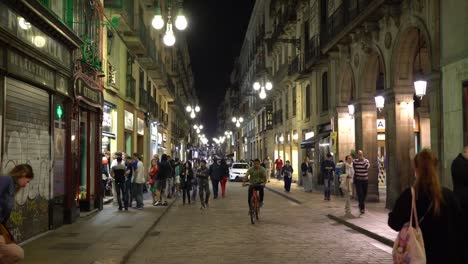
pixel 287 233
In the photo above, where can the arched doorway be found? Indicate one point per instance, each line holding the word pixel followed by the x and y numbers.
pixel 345 113
pixel 408 116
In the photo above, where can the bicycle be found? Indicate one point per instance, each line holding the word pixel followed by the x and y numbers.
pixel 254 210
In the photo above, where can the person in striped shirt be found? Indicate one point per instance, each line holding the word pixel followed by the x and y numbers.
pixel 361 179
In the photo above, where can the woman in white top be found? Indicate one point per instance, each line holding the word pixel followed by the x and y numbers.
pixel 348 183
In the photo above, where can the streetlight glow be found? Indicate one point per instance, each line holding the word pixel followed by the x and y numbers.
pixel 256 86
pixel 158 22
pixel 188 108
pixel 269 86
pixel 169 39
pixel 197 109
pixel 181 22
pixel 192 115
pixel 263 94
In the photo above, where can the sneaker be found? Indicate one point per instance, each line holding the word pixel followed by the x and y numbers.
pixel 261 204
pixel 165 203
pixel 206 205
pixel 363 211
pixel 120 208
pixel 157 203
pixel 126 208
pixel 139 208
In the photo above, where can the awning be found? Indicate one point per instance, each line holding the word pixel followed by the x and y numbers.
pixel 308 143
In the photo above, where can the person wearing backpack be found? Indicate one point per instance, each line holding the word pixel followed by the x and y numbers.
pixel 437 214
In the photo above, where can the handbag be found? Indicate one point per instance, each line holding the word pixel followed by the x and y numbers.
pixel 6 234
pixel 409 244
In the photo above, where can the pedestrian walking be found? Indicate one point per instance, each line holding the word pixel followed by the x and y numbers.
pixel 346 183
pixel 279 167
pixel 139 180
pixel 186 176
pixel 153 173
pixel 161 180
pixel 327 168
pixel 267 162
pixel 203 184
pixel 361 179
pixel 129 189
pixel 306 172
pixel 10 184
pixel 224 178
pixel 437 212
pixel 105 173
pixel 339 169
pixel 118 173
pixel 216 172
pixel 195 181
pixel 460 189
pixel 287 172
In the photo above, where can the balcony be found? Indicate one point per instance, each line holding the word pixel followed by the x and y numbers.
pixel 311 53
pixel 288 17
pixel 130 88
pixel 346 17
pixel 135 39
pixel 278 117
pixel 157 71
pixel 143 102
pixel 124 10
pixel 153 108
pixel 293 68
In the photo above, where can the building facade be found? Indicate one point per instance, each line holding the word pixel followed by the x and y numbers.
pixel 330 60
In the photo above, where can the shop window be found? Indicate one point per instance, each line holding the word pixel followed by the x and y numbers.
pixel 325 92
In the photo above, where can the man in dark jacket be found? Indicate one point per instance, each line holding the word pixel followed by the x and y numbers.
pixel 164 173
pixel 216 173
pixel 460 188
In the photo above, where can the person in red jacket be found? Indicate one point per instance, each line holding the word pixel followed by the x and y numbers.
pixel 153 173
pixel 279 167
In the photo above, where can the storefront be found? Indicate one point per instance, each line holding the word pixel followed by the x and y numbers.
pixel 109 128
pixel 89 109
pixel 35 73
pixel 129 125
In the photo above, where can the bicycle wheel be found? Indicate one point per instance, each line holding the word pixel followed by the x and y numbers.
pixel 252 210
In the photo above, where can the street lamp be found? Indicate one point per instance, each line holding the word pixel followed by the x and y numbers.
pixel 238 121
pixel 379 102
pixel 262 86
pixel 420 84
pixel 351 110
pixel 192 110
pixel 198 128
pixel 158 23
pixel 228 134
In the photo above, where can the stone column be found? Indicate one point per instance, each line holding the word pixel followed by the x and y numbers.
pixel 346 130
pixel 366 140
pixel 399 142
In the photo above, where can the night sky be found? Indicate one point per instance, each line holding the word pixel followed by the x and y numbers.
pixel 215 35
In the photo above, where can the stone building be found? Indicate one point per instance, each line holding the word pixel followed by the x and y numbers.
pixel 332 61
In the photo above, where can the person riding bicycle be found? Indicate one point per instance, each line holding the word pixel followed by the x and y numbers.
pixel 258 179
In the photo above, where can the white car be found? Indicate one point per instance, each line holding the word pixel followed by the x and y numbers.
pixel 237 171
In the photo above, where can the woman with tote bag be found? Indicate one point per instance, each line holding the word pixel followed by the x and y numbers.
pixel 433 237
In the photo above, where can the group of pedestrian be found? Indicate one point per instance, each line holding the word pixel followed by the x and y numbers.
pixel 128 179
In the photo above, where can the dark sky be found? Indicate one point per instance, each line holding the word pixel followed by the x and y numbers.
pixel 215 36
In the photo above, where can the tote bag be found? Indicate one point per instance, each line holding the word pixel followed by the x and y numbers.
pixel 409 244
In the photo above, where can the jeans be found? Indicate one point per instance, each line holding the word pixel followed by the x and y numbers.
pixel 260 189
pixel 278 174
pixel 170 185
pixel 138 187
pixel 129 192
pixel 307 182
pixel 121 194
pixel 186 192
pixel 204 189
pixel 215 184
pixel 268 174
pixel 194 192
pixel 327 181
pixel 287 183
pixel 361 190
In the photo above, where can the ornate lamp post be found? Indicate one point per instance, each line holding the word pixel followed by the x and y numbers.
pixel 180 22
pixel 237 120
pixel 192 110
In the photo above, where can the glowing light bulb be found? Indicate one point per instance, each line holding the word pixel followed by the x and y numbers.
pixel 256 86
pixel 158 22
pixel 269 86
pixel 169 38
pixel 181 22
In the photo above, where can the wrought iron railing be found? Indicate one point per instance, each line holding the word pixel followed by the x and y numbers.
pixel 294 66
pixel 130 88
pixel 143 98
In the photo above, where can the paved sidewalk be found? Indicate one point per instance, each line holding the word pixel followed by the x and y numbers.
pixel 114 232
pixel 373 223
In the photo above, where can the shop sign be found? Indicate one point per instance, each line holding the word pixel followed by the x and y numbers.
pixel 34 37
pixel 333 138
pixel 154 129
pixel 107 118
pixel 128 120
pixel 309 135
pixel 159 138
pixel 269 117
pixel 29 69
pixel 140 126
pixel 164 137
pixel 92 95
pixel 380 124
pixel 62 85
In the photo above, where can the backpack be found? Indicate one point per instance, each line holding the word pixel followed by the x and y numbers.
pixel 409 244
